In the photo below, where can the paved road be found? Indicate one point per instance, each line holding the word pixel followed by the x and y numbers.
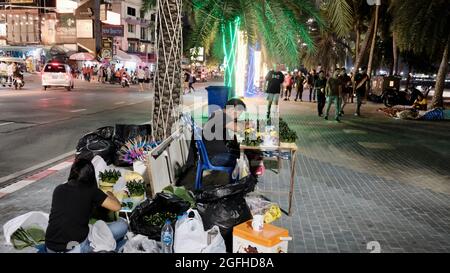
pixel 37 125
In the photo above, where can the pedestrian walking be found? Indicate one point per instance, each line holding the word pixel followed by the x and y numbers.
pixel 300 81
pixel 319 89
pixel 274 81
pixel 141 78
pixel 192 80
pixel 288 83
pixel 347 89
pixel 187 76
pixel 333 91
pixel 108 74
pixel 84 72
pixel 312 77
pixel 147 75
pixel 100 74
pixel 361 80
pixel 10 71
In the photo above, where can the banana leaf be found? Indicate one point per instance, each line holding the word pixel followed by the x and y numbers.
pixel 182 193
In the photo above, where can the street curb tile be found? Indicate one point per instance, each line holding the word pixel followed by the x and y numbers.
pixel 41 175
pixel 17 186
pixel 35 178
pixel 61 166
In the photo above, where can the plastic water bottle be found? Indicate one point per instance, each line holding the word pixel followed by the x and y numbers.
pixel 167 237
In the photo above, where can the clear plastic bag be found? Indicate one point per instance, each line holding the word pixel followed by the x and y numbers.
pixel 260 206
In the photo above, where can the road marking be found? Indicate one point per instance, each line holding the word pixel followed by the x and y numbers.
pixel 6 123
pixel 120 102
pixel 78 110
pixel 377 145
pixel 357 132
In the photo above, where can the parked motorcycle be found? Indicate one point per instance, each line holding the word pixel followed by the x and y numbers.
pixel 393 97
pixel 134 80
pixel 18 82
pixel 4 82
pixel 125 82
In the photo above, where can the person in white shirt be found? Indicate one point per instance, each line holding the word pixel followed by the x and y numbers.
pixel 10 71
pixel 141 78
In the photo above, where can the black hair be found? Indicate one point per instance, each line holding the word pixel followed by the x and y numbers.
pixel 321 71
pixel 82 173
pixel 236 102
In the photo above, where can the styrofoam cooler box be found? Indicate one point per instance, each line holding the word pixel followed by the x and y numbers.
pixel 271 239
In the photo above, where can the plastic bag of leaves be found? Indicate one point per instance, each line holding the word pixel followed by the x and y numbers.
pixel 225 206
pixel 163 204
pixel 28 237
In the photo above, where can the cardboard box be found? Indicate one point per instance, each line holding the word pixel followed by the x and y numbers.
pixel 269 240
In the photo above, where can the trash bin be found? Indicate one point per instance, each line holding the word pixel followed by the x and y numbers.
pixel 217 97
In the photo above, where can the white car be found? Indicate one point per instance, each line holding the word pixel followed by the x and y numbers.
pixel 57 75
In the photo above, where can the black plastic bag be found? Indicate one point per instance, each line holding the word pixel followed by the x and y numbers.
pixel 225 207
pixel 163 202
pixel 123 133
pixel 98 143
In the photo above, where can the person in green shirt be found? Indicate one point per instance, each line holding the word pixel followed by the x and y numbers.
pixel 333 91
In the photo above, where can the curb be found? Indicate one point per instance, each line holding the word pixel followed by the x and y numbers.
pixel 35 178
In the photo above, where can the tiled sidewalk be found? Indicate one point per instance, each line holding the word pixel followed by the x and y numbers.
pixel 366 179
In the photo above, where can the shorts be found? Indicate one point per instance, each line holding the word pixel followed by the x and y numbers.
pixel 274 98
pixel 141 80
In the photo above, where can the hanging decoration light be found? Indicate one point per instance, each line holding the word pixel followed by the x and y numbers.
pixel 241 64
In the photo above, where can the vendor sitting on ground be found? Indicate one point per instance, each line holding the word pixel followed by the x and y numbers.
pixel 223 140
pixel 72 205
pixel 421 103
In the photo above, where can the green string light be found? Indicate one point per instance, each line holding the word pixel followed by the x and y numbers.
pixel 230 56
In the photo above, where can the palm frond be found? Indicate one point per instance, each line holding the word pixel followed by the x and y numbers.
pixel 340 15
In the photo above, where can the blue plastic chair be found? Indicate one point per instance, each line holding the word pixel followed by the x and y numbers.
pixel 224 162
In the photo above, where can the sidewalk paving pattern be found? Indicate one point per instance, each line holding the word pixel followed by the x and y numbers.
pixel 364 179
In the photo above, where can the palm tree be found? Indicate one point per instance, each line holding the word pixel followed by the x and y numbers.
pixel 168 82
pixel 279 26
pixel 422 27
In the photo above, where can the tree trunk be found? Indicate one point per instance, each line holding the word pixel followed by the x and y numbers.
pixel 168 72
pixel 440 80
pixel 374 40
pixel 358 41
pixel 362 51
pixel 394 70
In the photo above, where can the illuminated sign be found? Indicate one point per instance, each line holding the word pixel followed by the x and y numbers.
pixel 112 18
pixel 21 1
pixel 66 6
pixel 85 29
pixel 112 31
